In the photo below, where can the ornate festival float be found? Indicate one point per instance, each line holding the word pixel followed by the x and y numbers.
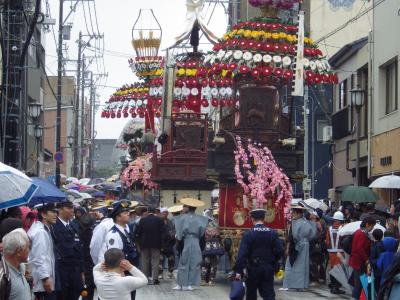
pixel 179 163
pixel 142 102
pixel 255 73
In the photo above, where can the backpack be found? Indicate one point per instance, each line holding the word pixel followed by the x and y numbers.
pixel 346 243
pixel 213 247
pixel 5 282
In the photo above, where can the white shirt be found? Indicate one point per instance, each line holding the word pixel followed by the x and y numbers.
pixel 112 240
pixel 41 256
pixel 98 239
pixel 112 285
pixel 65 223
pixel 19 286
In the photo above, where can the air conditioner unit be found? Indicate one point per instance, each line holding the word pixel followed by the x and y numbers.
pixel 327 134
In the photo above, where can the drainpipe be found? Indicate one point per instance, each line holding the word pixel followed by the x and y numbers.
pixel 370 98
pixel 348 154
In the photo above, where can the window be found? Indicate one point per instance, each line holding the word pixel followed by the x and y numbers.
pixel 391 95
pixel 320 129
pixel 343 94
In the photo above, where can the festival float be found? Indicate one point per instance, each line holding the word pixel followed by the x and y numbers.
pixel 142 102
pixel 255 73
pixel 179 164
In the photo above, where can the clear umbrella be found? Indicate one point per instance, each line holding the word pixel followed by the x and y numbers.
pixel 16 188
pixel 386 182
pixel 315 203
pixel 354 226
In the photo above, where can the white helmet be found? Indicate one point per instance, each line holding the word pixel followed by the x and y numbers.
pixel 338 216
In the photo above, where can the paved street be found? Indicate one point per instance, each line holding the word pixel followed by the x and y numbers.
pixel 221 291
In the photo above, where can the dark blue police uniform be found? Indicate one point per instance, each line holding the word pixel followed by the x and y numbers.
pixel 69 260
pixel 129 247
pixel 260 249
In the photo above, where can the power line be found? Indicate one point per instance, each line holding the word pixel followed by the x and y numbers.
pixel 341 27
pixel 95 14
pixel 84 15
pixel 42 65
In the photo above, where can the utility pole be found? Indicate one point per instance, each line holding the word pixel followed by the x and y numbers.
pixel 91 129
pixel 76 111
pixel 82 119
pixel 59 87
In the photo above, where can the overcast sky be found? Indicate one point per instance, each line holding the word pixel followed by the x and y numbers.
pixel 115 20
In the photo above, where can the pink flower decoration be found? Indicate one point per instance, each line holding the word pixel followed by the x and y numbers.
pixel 136 172
pixel 264 179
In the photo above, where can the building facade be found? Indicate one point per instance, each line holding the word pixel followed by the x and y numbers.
pixel 49 117
pixel 324 23
pixel 351 63
pixel 385 114
pixel 103 155
pixel 22 87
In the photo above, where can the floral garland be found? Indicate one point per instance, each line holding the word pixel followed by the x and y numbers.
pixel 263 50
pixel 136 172
pixel 135 100
pixel 264 181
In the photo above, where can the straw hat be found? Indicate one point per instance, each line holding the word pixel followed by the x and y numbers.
pixel 97 207
pixel 134 204
pixel 297 206
pixel 132 207
pixel 141 208
pixel 192 202
pixel 175 209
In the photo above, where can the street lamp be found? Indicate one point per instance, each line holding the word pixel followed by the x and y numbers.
pixel 34 110
pixel 38 133
pixel 357 100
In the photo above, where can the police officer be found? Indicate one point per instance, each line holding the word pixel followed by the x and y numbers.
pixel 119 235
pixel 68 252
pixel 259 252
pixel 42 253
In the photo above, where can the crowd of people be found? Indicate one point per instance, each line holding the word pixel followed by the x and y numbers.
pixel 353 249
pixel 63 251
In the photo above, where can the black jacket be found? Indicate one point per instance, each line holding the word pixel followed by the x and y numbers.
pixel 67 245
pixel 150 232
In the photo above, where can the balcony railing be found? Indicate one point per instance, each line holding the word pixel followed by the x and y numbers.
pixel 184 156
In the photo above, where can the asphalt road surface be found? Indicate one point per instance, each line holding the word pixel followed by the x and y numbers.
pixel 221 291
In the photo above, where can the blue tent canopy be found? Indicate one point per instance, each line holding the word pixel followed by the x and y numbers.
pixel 47 192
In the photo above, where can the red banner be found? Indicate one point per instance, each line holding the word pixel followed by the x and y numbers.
pixel 234 212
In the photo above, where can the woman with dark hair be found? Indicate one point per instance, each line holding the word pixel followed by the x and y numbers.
pixel 360 252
